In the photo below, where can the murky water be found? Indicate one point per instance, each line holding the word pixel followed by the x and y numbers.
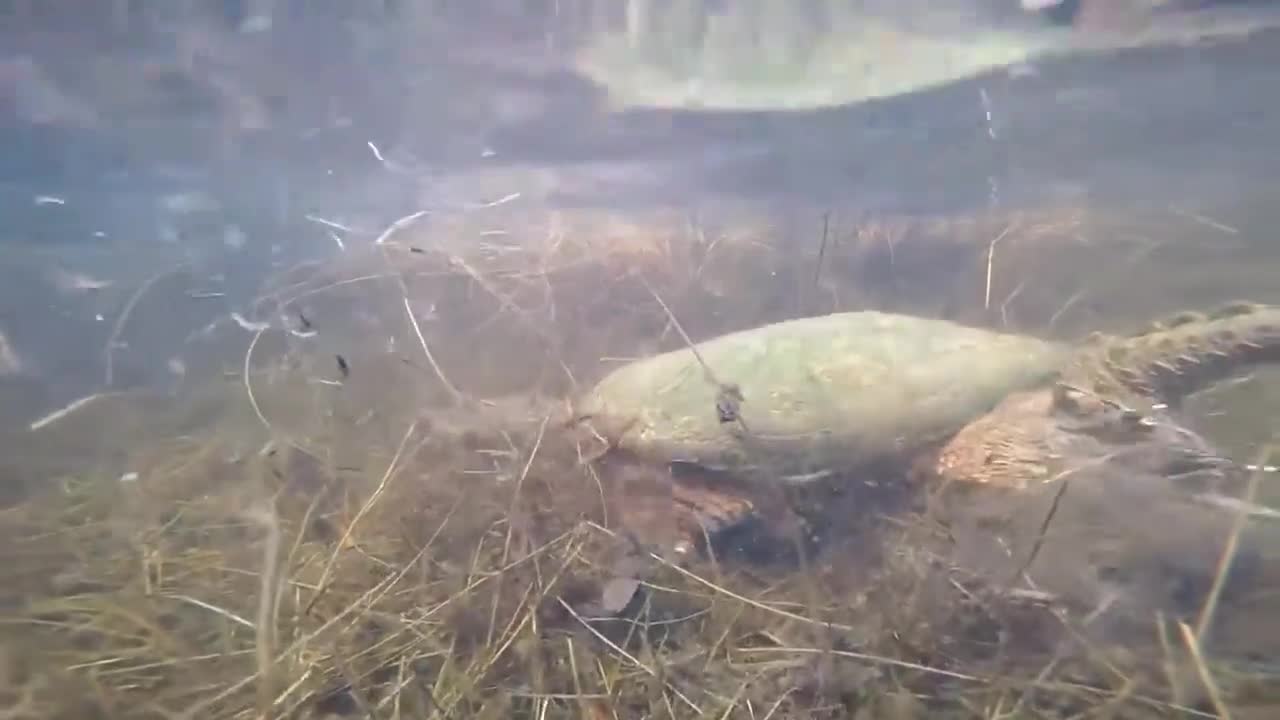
pixel 218 386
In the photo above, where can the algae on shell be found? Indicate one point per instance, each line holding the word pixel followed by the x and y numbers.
pixel 818 392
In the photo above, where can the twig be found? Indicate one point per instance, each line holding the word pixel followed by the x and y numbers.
pixel 778 703
pixel 1206 677
pixel 395 227
pixel 266 630
pixel 822 249
pixel 329 223
pixel 196 710
pixel 675 322
pixel 991 255
pixel 1203 220
pixel 302 293
pixel 1230 549
pixel 399 225
pixel 214 609
pixel 253 399
pixel 108 352
pixel 248 385
pixel 346 535
pixel 72 407
pixel 515 499
pixel 1044 528
pixel 1169 665
pixel 623 653
pixel 1053 319
pixel 1004 306
pixel 454 393
pixel 495 203
pixel 876 659
pixel 729 593
pixel 728 396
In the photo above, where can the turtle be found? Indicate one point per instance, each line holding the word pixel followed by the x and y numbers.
pixel 794 399
pixel 803 400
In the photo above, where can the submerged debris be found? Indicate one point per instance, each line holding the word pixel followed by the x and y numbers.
pixel 10 363
pixel 65 411
pixel 433 539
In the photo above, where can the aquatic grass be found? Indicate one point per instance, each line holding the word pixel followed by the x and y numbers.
pixel 400 540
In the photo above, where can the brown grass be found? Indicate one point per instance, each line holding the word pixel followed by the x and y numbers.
pixel 420 538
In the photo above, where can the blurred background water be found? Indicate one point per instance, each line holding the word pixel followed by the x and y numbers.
pixel 138 137
pixel 162 161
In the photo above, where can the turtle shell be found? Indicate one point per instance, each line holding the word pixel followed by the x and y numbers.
pixel 797 399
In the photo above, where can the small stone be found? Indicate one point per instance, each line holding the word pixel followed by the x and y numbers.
pixel 618 593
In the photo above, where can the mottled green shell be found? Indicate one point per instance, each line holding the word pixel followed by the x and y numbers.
pixel 817 393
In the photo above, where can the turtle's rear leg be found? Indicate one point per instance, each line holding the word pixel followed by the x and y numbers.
pixel 705 514
pixel 749 518
pixel 681 510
